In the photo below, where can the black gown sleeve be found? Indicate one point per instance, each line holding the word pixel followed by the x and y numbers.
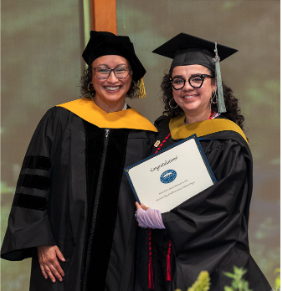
pixel 28 223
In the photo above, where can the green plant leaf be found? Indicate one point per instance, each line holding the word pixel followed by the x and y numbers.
pixel 202 283
pixel 277 282
pixel 238 284
pixel 235 284
pixel 230 275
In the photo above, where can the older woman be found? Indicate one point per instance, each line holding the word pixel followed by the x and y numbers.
pixel 210 230
pixel 73 210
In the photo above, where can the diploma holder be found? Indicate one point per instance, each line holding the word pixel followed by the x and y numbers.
pixel 170 177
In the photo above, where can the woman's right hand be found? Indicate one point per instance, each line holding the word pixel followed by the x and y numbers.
pixel 49 264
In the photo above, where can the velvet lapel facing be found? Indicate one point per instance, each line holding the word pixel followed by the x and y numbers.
pixel 105 163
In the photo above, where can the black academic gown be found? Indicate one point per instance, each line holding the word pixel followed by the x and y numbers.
pixel 72 192
pixel 210 230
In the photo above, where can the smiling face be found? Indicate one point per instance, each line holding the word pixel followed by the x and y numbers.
pixel 111 92
pixel 193 101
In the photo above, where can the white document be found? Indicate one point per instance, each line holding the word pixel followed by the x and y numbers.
pixel 166 180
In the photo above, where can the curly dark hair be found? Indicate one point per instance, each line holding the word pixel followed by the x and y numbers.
pixel 233 111
pixel 88 91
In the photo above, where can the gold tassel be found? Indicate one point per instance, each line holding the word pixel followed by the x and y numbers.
pixel 142 91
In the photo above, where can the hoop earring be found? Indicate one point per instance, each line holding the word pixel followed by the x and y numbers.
pixel 90 87
pixel 213 99
pixel 169 103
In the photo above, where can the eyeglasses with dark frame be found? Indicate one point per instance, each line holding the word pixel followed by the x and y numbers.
pixel 196 81
pixel 103 72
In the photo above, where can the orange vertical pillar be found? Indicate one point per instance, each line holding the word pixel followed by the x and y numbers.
pixel 104 15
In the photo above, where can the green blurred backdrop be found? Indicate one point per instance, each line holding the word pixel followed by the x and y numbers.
pixel 41 66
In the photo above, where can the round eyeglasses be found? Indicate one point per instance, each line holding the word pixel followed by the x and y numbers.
pixel 103 72
pixel 195 81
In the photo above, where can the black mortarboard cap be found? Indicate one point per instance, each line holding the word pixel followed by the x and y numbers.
pixel 186 49
pixel 104 43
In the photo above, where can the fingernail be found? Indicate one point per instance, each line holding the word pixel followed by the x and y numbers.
pixel 53 280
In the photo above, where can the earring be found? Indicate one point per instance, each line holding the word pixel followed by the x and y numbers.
pixel 90 87
pixel 213 99
pixel 169 103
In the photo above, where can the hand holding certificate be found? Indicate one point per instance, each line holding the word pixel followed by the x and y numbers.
pixel 165 180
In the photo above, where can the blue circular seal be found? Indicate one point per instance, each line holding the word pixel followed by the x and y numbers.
pixel 168 176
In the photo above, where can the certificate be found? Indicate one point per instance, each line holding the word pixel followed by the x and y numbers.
pixel 165 180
